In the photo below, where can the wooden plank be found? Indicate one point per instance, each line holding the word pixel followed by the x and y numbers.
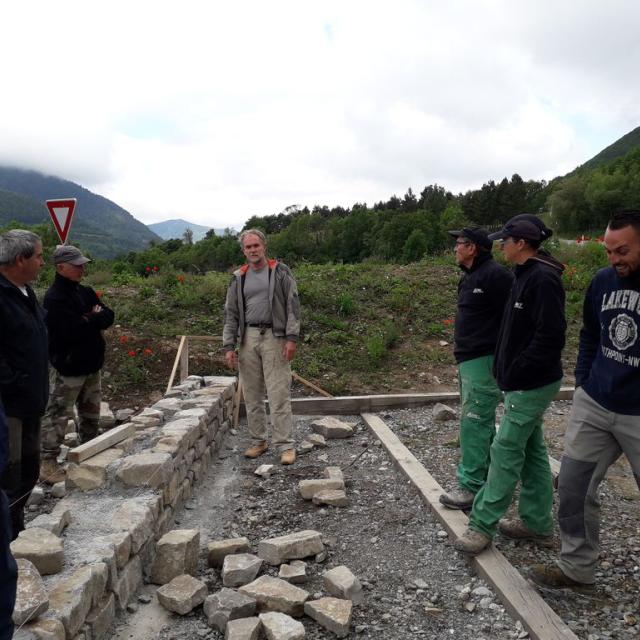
pixel 299 378
pixel 102 442
pixel 176 362
pixel 184 360
pixel 351 405
pixel 520 599
pixel 204 338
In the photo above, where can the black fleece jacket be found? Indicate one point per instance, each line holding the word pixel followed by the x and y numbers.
pixel 483 291
pixel 76 345
pixel 24 371
pixel 532 333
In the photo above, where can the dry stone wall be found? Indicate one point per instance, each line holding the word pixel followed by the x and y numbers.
pixel 119 504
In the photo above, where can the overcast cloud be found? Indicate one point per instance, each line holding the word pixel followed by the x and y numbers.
pixel 214 112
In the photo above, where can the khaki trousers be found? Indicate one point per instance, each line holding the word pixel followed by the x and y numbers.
pixel 263 367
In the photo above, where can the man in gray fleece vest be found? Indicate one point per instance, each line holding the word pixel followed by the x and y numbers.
pixel 262 319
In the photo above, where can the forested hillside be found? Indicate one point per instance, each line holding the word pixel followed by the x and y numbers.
pixel 99 225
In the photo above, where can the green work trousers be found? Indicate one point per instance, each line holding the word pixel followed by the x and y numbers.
pixel 479 397
pixel 518 453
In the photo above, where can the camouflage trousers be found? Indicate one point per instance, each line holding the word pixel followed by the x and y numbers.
pixel 67 394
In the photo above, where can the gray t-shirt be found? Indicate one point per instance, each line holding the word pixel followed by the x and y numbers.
pixel 256 296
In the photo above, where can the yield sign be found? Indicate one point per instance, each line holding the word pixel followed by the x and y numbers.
pixel 61 212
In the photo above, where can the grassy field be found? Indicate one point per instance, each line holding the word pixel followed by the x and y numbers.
pixel 367 328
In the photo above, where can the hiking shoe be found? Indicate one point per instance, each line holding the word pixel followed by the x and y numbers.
pixel 472 542
pixel 458 499
pixel 256 450
pixel 552 577
pixel 515 529
pixel 288 456
pixel 51 472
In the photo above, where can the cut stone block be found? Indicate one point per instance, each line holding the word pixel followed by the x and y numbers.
pixel 31 595
pixel 79 477
pixel 71 599
pixel 54 522
pixel 146 469
pixel 273 594
pixel 308 488
pixel 264 470
pixel 129 581
pixel 341 583
pixel 279 626
pixel 295 572
pixel 176 554
pixel 239 569
pixel 293 546
pixel 36 497
pixel 442 413
pixel 59 490
pixel 168 406
pixel 227 605
pixel 218 549
pixel 137 518
pixel 243 629
pixel 331 497
pixel 317 439
pixel 121 542
pixel 334 473
pixel 101 617
pixel 182 594
pixel 331 428
pixel 46 629
pixel 40 547
pixel 331 613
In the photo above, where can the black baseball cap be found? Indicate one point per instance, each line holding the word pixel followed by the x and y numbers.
pixel 524 226
pixel 477 235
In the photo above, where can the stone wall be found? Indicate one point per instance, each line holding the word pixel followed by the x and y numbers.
pixel 120 502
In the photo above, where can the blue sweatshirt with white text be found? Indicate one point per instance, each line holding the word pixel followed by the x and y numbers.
pixel 608 366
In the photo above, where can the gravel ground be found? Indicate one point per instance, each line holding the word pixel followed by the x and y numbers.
pixel 613 610
pixel 415 585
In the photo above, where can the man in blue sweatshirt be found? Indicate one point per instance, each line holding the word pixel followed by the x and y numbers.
pixel 8 568
pixel 605 417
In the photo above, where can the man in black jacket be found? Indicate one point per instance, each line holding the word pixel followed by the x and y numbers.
pixel 75 319
pixel 483 291
pixel 605 417
pixel 528 370
pixel 8 568
pixel 24 376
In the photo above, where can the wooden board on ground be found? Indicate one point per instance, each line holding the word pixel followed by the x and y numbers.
pixel 520 599
pixel 102 442
pixel 353 405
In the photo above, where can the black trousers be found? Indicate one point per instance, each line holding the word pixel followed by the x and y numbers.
pixel 8 572
pixel 23 470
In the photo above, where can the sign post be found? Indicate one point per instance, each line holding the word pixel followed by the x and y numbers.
pixel 61 212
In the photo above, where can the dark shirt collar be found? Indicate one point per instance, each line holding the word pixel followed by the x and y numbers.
pixel 480 259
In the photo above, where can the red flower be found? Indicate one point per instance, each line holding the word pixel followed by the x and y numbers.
pixel 131 354
pixel 147 269
pixel 148 352
pixel 155 268
pixel 180 278
pixel 123 339
pixel 99 294
pixel 447 322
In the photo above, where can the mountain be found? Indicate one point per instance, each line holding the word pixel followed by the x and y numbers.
pixel 169 229
pixel 99 225
pixel 619 148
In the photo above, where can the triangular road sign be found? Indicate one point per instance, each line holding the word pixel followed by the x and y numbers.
pixel 61 212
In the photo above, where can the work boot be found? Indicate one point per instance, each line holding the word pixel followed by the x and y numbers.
pixel 51 472
pixel 515 529
pixel 552 577
pixel 472 542
pixel 256 450
pixel 459 498
pixel 288 456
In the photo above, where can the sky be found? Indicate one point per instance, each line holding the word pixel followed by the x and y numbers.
pixel 216 111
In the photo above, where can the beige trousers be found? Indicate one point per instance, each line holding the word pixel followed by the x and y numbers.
pixel 262 366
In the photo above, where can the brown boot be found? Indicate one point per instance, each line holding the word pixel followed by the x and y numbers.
pixel 256 450
pixel 515 529
pixel 472 542
pixel 288 456
pixel 553 577
pixel 51 472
